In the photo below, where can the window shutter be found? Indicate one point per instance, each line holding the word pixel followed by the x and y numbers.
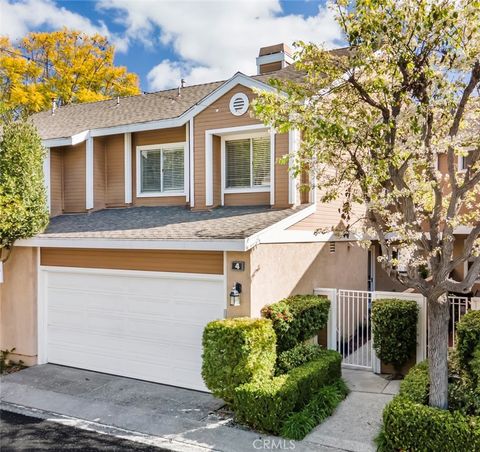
pixel 237 154
pixel 173 169
pixel 150 170
pixel 261 161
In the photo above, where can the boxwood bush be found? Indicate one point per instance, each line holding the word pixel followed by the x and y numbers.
pixel 296 356
pixel 394 327
pixel 468 334
pixel 266 404
pixel 409 424
pixel 297 318
pixel 237 351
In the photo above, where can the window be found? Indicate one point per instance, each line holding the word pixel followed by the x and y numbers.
pixel 161 169
pixel 464 161
pixel 247 163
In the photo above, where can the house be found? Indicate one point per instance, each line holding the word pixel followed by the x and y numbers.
pixel 169 210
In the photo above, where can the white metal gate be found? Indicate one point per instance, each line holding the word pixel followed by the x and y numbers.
pixel 459 306
pixel 354 330
pixel 350 326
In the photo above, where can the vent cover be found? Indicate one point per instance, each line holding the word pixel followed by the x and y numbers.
pixel 239 104
pixel 332 247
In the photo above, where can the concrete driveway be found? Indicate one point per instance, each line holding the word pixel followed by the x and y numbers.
pixel 180 419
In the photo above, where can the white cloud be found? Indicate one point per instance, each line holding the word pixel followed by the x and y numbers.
pixel 214 39
pixel 19 17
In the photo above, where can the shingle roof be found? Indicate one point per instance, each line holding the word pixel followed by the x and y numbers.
pixel 166 223
pixel 69 120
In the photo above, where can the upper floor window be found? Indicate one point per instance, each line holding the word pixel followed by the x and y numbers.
pixel 161 169
pixel 247 163
pixel 464 161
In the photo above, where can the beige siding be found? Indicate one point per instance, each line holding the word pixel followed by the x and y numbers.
pixel 214 116
pixel 98 173
pixel 74 178
pixel 209 262
pixel 242 277
pixel 247 199
pixel 162 136
pixel 18 305
pixel 280 270
pixel 56 181
pixel 115 171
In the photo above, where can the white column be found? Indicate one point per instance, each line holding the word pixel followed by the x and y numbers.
pixel 208 169
pixel 89 174
pixel 46 178
pixel 272 167
pixel 186 163
pixel 127 153
pixel 191 161
pixel 331 294
pixel 293 147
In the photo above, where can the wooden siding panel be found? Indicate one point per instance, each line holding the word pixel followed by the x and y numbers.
pixel 98 173
pixel 208 262
pixel 115 171
pixel 247 199
pixel 56 182
pixel 74 178
pixel 270 67
pixel 161 136
pixel 215 116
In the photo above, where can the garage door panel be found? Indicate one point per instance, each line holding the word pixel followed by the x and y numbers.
pixel 141 327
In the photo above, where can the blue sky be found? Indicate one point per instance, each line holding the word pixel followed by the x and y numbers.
pixel 164 41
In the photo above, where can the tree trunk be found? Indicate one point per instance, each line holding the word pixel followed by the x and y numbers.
pixel 438 316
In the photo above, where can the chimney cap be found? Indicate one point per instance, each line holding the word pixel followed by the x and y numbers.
pixel 277 48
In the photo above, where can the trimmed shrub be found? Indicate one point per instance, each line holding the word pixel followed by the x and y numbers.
pixel 322 405
pixel 266 404
pixel 237 351
pixel 394 327
pixel 296 356
pixel 412 426
pixel 297 318
pixel 468 334
pixel 416 384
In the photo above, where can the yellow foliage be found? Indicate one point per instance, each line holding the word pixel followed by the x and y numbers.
pixel 69 66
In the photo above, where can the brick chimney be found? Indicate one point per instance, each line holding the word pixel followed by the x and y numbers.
pixel 273 58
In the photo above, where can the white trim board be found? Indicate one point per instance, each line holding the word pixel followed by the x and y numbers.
pixel 237 79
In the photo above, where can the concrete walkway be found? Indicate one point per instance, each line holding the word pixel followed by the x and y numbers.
pixel 179 419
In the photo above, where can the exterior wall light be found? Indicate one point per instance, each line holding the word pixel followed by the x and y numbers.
pixel 235 294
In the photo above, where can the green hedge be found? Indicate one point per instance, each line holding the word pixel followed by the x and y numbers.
pixel 394 328
pixel 416 384
pixel 468 334
pixel 322 405
pixel 237 351
pixel 266 404
pixel 413 426
pixel 297 318
pixel 296 356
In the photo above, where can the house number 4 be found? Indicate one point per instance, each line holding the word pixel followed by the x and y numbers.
pixel 238 265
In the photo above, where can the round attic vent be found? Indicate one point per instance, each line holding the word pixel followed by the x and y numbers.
pixel 239 104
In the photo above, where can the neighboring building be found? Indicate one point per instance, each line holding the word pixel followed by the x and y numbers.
pixel 160 204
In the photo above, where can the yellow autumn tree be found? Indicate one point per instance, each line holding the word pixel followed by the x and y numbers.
pixel 68 66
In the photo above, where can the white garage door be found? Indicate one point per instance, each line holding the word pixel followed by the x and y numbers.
pixel 142 325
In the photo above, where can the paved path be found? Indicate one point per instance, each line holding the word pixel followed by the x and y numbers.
pixel 179 419
pixel 357 420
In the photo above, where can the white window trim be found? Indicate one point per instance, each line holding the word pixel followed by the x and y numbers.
pixel 157 194
pixel 89 183
pixel 127 142
pixel 461 169
pixel 47 178
pixel 252 189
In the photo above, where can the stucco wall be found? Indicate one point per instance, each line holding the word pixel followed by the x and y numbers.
pixel 280 270
pixel 18 307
